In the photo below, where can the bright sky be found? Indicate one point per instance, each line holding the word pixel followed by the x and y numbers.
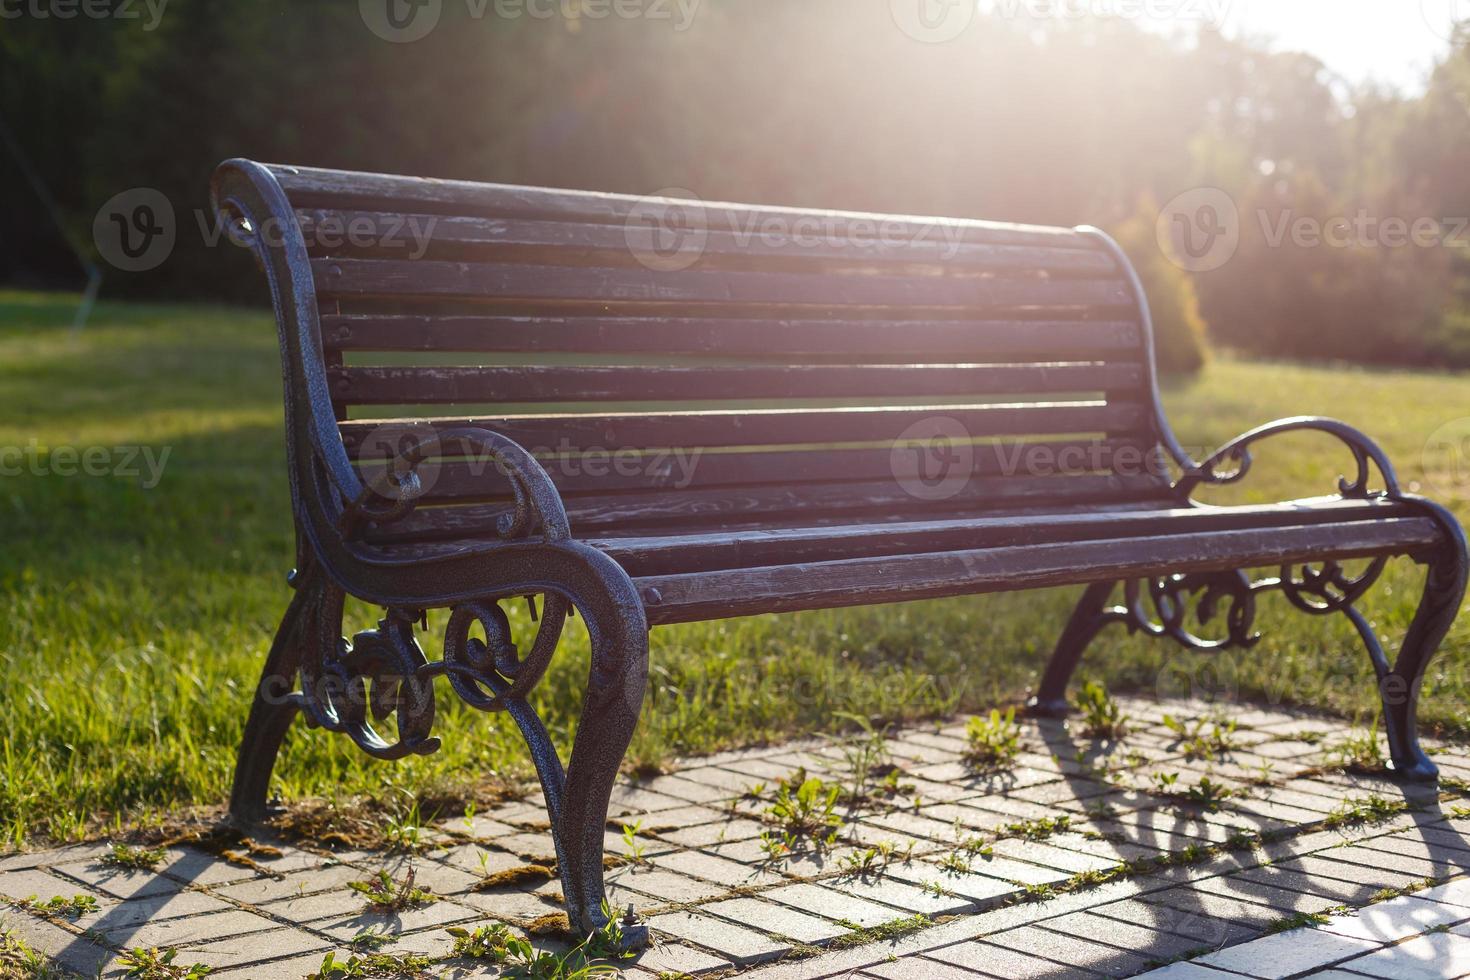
pixel 1393 41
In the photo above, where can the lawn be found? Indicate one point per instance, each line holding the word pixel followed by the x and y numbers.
pixel 134 617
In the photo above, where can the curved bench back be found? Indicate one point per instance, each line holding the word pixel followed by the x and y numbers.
pixel 724 365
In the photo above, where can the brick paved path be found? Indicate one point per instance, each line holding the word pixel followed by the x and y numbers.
pixel 952 875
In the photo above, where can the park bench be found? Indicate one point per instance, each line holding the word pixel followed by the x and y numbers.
pixel 650 411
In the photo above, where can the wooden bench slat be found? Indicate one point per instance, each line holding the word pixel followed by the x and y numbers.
pixel 428 385
pixel 772 427
pixel 603 474
pixel 900 578
pixel 388 235
pixel 663 554
pixel 309 187
pixel 510 282
pixel 604 514
pixel 733 337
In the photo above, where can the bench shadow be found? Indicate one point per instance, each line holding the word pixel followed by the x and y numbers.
pixel 1272 891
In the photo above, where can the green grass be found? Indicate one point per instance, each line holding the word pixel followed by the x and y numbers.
pixel 133 621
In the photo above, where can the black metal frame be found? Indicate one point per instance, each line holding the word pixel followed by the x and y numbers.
pixel 346 687
pixel 1312 589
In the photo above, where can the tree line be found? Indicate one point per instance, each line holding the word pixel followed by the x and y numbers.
pixel 1345 201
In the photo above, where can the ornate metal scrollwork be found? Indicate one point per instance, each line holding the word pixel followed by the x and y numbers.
pixel 1236 459
pixel 1170 597
pixel 394 491
pixel 347 687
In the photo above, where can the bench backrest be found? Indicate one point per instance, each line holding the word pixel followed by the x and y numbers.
pixel 718 364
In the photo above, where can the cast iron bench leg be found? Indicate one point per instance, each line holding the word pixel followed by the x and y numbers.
pixel 610 709
pixel 274 705
pixel 1051 698
pixel 1444 590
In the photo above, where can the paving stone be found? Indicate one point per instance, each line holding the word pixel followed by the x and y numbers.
pixel 79 954
pixel 246 950
pixel 343 928
pixel 676 958
pixel 706 834
pixel 670 886
pixel 779 919
pixel 258 891
pixel 689 790
pixel 195 867
pixel 901 895
pixel 190 930
pixel 39 884
pixel 732 784
pixel 912 967
pixel 1079 952
pixel 1356 860
pixel 1396 919
pixel 1212 919
pixel 535 848
pixel 976 888
pixel 1287 953
pixel 293 968
pixel 1005 869
pixel 70 854
pixel 120 883
pixel 735 942
pixel 338 903
pixel 1431 957
pixel 836 905
pixel 1150 944
pixel 1056 858
pixel 515 905
pixel 1188 971
pixel 1287 892
pixel 152 909
pixel 997 961
pixel 1452 860
pixel 1315 879
pixel 730 874
pixel 1451 893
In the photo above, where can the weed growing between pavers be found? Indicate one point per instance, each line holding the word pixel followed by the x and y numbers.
pixel 1101 715
pixel 152 963
pixel 802 810
pixel 59 906
pixel 992 742
pixel 134 858
pixel 1202 738
pixel 384 893
pixel 18 960
pixel 1371 809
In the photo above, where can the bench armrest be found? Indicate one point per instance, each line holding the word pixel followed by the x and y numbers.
pixel 394 492
pixel 1237 453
